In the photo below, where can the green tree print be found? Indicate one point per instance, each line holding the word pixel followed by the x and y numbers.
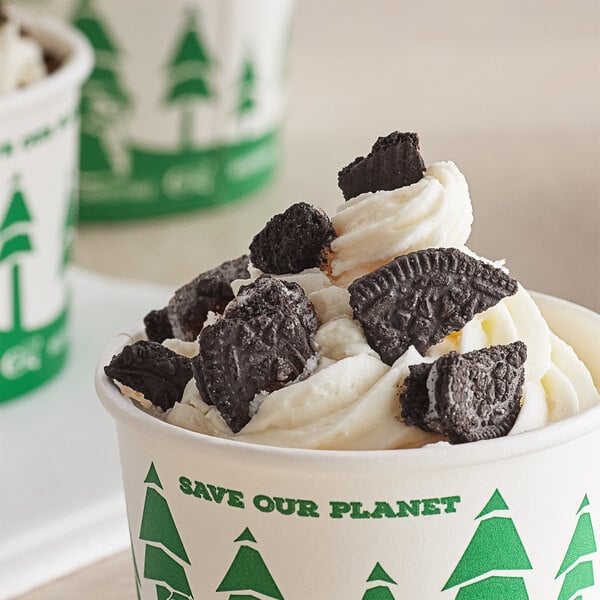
pixel 578 574
pixel 164 545
pixel 105 102
pixel 189 71
pixel 86 20
pixel 495 546
pixel 15 242
pixel 248 573
pixel 379 592
pixel 247 82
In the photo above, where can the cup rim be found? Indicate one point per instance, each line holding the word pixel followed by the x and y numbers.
pixel 432 457
pixel 70 75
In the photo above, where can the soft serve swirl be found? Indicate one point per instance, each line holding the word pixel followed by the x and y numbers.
pixel 374 228
pixel 351 401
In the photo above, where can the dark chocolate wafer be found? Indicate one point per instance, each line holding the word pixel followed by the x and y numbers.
pixel 210 291
pixel 394 162
pixel 292 241
pixel 157 325
pixel 262 343
pixel 467 397
pixel 419 298
pixel 152 370
pixel 266 295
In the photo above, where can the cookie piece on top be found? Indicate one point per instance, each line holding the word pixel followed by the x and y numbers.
pixel 262 343
pixel 394 162
pixel 292 241
pixel 186 312
pixel 467 397
pixel 157 325
pixel 266 295
pixel 152 370
pixel 419 298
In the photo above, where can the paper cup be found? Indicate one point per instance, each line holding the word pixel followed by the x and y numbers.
pixel 511 518
pixel 39 145
pixel 183 107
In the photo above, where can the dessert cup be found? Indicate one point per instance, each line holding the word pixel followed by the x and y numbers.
pixel 39 142
pixel 513 517
pixel 183 107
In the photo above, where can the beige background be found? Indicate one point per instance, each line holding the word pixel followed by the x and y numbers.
pixel 508 90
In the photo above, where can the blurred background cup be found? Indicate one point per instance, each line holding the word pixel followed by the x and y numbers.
pixel 39 135
pixel 184 103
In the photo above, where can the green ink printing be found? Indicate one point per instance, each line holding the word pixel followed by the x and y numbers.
pixel 388 510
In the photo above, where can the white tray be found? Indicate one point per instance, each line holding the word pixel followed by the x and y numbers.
pixel 61 498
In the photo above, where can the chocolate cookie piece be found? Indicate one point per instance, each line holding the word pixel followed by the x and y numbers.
pixel 419 298
pixel 262 343
pixel 152 370
pixel 234 269
pixel 292 241
pixel 394 162
pixel 467 397
pixel 158 327
pixel 240 358
pixel 266 295
pixel 414 398
pixel 198 373
pixel 210 291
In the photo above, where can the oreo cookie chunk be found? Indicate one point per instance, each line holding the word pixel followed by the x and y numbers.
pixel 419 298
pixel 262 343
pixel 268 295
pixel 158 327
pixel 414 398
pixel 210 291
pixel 293 240
pixel 394 162
pixel 152 370
pixel 467 397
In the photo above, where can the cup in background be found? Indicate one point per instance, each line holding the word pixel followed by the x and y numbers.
pixel 39 155
pixel 515 517
pixel 183 107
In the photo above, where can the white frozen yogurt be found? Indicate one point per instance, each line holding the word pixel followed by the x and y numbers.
pixel 374 228
pixel 21 58
pixel 351 401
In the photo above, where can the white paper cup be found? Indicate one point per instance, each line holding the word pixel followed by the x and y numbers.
pixel 512 518
pixel 183 108
pixel 39 144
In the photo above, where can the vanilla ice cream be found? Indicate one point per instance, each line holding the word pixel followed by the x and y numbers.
pixel 21 57
pixel 350 402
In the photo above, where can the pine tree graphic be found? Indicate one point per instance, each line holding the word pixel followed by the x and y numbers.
pixel 247 82
pixel 379 592
pixel 189 69
pixel 578 574
pixel 165 552
pixel 15 242
pixel 249 573
pixel 105 103
pixel 495 546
